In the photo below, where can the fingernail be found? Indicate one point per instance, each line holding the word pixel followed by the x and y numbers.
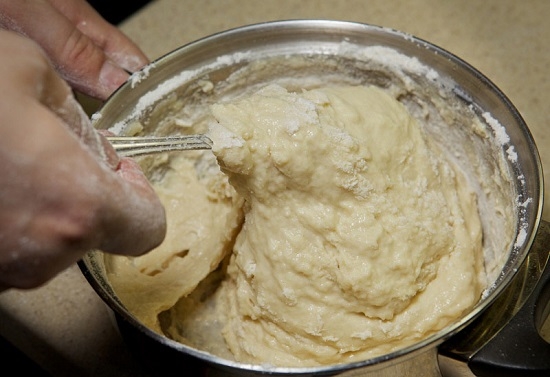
pixel 133 63
pixel 131 171
pixel 129 62
pixel 109 154
pixel 111 77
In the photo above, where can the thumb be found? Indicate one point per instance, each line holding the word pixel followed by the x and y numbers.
pixel 91 54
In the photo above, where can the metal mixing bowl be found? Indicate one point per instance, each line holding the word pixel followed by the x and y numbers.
pixel 501 159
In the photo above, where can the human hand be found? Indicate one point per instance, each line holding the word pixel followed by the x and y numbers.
pixel 63 189
pixel 92 55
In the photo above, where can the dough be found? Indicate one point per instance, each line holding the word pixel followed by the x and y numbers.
pixel 359 236
pixel 203 214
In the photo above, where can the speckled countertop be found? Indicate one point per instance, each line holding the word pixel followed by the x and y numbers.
pixel 64 325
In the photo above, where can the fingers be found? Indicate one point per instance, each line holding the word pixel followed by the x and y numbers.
pixel 139 224
pixel 116 46
pixel 60 195
pixel 57 201
pixel 120 52
pixel 92 55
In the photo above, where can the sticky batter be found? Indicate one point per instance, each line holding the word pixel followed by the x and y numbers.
pixel 359 235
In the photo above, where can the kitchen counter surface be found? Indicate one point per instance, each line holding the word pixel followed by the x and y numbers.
pixel 65 327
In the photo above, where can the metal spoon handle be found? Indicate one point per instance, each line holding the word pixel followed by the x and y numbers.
pixel 131 146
